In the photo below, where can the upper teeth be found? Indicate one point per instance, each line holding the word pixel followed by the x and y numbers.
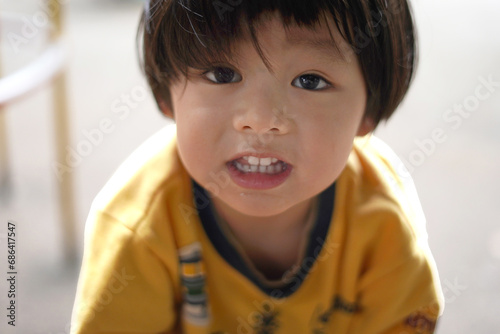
pixel 260 161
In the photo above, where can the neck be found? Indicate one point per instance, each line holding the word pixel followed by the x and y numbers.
pixel 272 244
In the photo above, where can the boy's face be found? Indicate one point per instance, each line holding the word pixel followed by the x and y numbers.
pixel 264 141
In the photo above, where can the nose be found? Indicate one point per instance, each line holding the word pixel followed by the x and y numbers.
pixel 262 111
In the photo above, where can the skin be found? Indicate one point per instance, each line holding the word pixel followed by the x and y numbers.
pixel 269 111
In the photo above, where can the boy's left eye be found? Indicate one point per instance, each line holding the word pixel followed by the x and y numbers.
pixel 310 82
pixel 222 75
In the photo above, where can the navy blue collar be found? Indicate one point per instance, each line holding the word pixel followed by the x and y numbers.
pixel 227 251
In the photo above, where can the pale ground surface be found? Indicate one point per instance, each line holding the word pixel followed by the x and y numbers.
pixel 457 179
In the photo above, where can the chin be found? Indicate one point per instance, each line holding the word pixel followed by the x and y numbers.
pixel 256 205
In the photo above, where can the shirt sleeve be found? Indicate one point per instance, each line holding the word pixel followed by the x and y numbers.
pixel 124 285
pixel 404 301
pixel 399 292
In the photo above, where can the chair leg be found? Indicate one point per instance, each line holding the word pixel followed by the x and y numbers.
pixel 66 191
pixel 4 158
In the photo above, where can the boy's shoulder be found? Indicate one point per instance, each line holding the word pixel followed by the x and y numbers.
pixel 385 227
pixel 142 179
pixel 382 190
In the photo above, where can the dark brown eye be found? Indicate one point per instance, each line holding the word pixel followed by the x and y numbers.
pixel 222 75
pixel 310 82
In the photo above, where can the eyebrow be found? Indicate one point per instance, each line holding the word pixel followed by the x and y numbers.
pixel 331 50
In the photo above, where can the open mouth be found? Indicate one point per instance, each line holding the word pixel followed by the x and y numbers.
pixel 258 172
pixel 251 164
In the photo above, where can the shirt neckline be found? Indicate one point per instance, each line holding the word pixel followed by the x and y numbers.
pixel 231 255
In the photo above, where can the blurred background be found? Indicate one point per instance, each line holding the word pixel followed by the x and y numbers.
pixel 446 132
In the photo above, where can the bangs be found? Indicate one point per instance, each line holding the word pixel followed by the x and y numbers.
pixel 201 33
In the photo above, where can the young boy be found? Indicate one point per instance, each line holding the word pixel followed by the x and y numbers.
pixel 260 212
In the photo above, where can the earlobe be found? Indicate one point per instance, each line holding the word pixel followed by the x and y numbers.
pixel 366 126
pixel 165 109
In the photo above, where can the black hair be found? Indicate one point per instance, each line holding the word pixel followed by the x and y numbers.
pixel 178 34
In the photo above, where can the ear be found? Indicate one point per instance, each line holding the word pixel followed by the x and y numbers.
pixel 366 126
pixel 166 109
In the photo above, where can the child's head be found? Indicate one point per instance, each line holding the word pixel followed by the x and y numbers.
pixel 269 95
pixel 183 33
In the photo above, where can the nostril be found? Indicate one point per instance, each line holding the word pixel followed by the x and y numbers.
pixel 252 122
pixel 246 128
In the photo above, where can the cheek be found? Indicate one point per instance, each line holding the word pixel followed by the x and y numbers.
pixel 201 110
pixel 330 127
pixel 190 154
pixel 199 134
pixel 327 134
pixel 341 116
pixel 192 136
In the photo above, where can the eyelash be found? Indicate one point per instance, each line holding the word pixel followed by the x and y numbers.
pixel 211 71
pixel 326 84
pixel 295 82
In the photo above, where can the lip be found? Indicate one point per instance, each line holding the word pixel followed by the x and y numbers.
pixel 256 180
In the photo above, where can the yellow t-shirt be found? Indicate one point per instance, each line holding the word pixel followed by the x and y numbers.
pixel 156 261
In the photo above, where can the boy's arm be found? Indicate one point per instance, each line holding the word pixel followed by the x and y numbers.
pixel 124 284
pixel 399 292
pixel 401 297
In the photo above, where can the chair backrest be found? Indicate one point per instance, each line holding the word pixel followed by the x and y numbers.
pixel 16 28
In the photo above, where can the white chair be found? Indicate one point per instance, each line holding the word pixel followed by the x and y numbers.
pixel 46 68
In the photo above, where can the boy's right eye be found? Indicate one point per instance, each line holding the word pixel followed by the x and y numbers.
pixel 222 75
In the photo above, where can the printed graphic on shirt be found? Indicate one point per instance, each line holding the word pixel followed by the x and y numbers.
pixel 321 317
pixel 267 319
pixel 266 322
pixel 195 309
pixel 421 322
